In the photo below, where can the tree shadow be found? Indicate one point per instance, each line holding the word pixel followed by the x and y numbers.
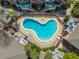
pixel 70 46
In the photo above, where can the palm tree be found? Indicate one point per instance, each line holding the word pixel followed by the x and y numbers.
pixel 4 38
pixel 75 10
pixel 33 51
pixel 72 4
pixel 11 12
pixel 48 55
pixel 69 1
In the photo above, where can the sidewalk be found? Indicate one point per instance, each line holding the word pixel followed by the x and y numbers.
pixel 13 51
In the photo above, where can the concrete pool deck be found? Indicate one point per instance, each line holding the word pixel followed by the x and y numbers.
pixel 42 19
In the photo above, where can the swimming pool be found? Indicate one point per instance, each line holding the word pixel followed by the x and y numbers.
pixel 23 4
pixel 44 32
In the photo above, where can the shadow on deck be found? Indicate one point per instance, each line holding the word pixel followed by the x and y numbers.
pixel 70 46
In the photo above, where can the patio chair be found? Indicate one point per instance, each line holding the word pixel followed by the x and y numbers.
pixel 20 38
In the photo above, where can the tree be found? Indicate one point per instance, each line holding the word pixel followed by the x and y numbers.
pixel 66 19
pixel 11 12
pixel 75 10
pixel 33 51
pixel 48 52
pixel 48 55
pixel 52 48
pixel 70 1
pixel 70 55
pixel 72 4
pixel 1 2
pixel 60 49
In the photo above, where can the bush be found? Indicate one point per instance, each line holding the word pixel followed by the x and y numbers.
pixel 46 49
pixel 52 48
pixel 60 49
pixel 32 50
pixel 1 2
pixel 75 10
pixel 70 55
pixel 69 1
pixel 48 55
pixel 66 19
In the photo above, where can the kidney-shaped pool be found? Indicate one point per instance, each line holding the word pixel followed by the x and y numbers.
pixel 44 32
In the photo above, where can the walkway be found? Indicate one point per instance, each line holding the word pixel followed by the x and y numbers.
pixel 12 51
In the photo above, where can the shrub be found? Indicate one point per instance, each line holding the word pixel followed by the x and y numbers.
pixel 60 49
pixel 70 55
pixel 32 50
pixel 48 55
pixel 75 10
pixel 66 19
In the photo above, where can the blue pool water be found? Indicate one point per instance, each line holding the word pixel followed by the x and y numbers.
pixel 43 31
pixel 23 4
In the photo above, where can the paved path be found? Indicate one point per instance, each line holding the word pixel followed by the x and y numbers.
pixel 13 51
